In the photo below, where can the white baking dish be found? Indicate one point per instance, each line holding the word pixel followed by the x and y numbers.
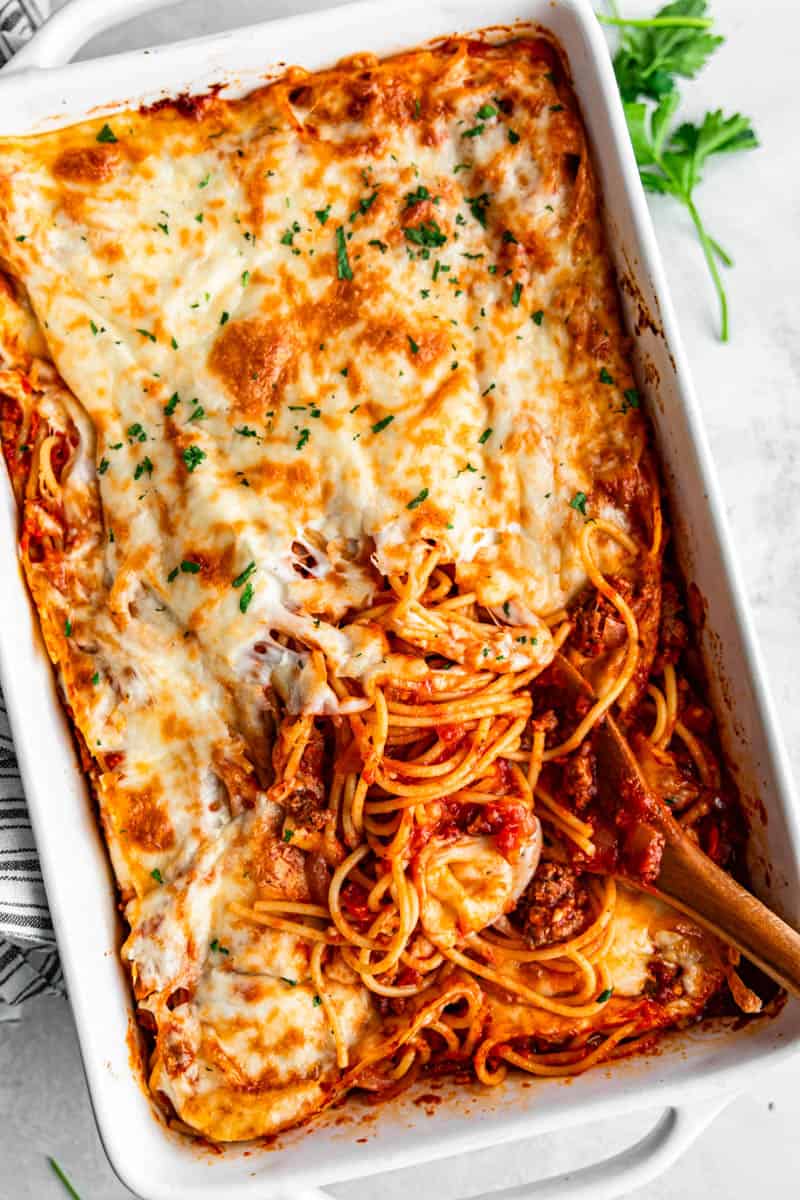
pixel 160 1165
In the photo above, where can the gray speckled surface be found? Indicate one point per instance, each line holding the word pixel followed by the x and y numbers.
pixel 750 395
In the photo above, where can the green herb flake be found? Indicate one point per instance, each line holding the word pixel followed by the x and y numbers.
pixel 379 426
pixel 144 467
pixel 426 234
pixel 606 995
pixel 245 431
pixel 103 466
pixel 68 628
pixel 578 502
pixel 244 576
pixel 343 270
pixel 96 678
pixel 322 214
pixel 538 316
pixel 173 575
pixel 246 597
pixel 487 433
pixel 513 137
pixel 189 567
pixel 604 376
pixel 107 134
pixel 476 131
pixel 485 112
pixel 305 434
pixel 288 982
pixel 414 346
pixel 631 399
pixel 420 498
pixel 172 404
pixel 192 457
pixel 224 318
pixel 516 295
pixel 317 1001
pixel 156 874
pixel 147 334
pixel 478 206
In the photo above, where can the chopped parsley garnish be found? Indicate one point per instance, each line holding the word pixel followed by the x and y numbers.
pixel 485 112
pixel 172 404
pixel 476 131
pixel 94 328
pixel 288 237
pixel 193 456
pixel 417 110
pixel 382 424
pixel 322 214
pixel 507 608
pixel 106 134
pixel 414 346
pixel 290 982
pixel 604 376
pixel 68 628
pixel 364 205
pixel 516 294
pixel 461 167
pixel 556 108
pixel 217 948
pixel 487 433
pixel 174 343
pixel 20 237
pixel 145 466
pixel 317 1001
pixel 96 678
pixel 305 434
pixel 189 567
pixel 156 874
pixel 245 431
pixel 224 318
pixel 244 576
pixel 420 194
pixel 147 334
pixel 136 433
pixel 245 278
pixel 513 136
pixel 578 502
pixel 173 575
pixel 509 237
pixel 631 399
pixel 162 225
pixel 538 316
pixel 606 995
pixel 204 182
pixel 478 206
pixel 420 498
pixel 199 218
pixel 288 834
pixel 427 233
pixel 377 242
pixel 103 466
pixel 343 270
pixel 246 597
pixel 198 414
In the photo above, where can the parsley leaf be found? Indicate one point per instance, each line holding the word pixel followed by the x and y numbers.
pixel 478 206
pixel 671 162
pixel 677 41
pixel 156 874
pixel 193 456
pixel 106 134
pixel 418 499
pixel 427 233
pixel 322 214
pixel 244 576
pixel 606 995
pixel 578 502
pixel 483 439
pixel 382 424
pixel 413 345
pixel 343 270
pixel 246 597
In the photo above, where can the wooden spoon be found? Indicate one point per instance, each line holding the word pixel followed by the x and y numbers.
pixel 688 879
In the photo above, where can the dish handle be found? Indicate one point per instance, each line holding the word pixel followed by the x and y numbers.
pixel 63 34
pixel 673 1133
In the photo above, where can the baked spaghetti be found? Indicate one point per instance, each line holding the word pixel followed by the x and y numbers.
pixel 326 443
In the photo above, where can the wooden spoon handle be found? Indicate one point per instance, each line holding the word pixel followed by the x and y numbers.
pixel 690 881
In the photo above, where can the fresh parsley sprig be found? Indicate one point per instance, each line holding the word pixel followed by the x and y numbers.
pixel 671 158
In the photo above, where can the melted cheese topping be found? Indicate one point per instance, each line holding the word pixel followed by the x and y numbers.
pixel 296 335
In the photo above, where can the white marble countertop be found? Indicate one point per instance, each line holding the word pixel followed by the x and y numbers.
pixel 749 391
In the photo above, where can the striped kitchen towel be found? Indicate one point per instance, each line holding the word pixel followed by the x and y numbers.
pixel 29 962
